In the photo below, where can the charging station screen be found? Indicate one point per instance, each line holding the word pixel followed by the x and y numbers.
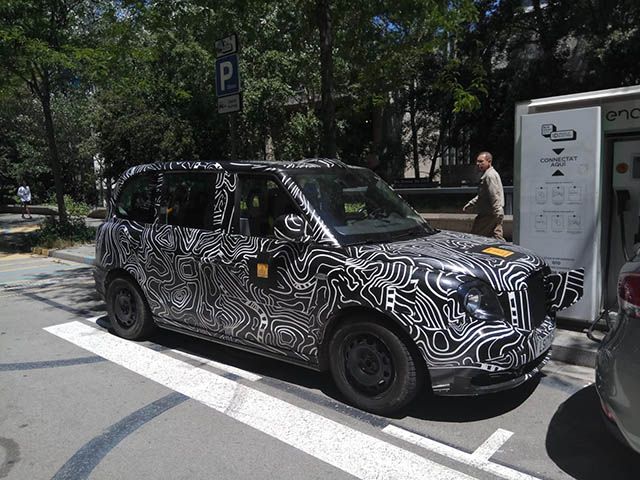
pixel 560 196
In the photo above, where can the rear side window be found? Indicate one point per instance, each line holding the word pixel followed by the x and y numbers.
pixel 137 199
pixel 188 199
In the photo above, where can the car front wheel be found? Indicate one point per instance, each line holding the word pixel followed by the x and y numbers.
pixel 373 368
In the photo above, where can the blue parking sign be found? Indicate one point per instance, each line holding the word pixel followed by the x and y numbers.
pixel 227 75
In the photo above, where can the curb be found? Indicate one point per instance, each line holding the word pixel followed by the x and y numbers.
pixel 72 257
pixel 574 356
pixel 18 230
pixel 41 251
pixel 34 209
pixel 574 348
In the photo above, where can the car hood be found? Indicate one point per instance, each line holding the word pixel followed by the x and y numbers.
pixel 503 265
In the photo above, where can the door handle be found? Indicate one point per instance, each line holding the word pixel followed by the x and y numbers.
pixel 219 262
pixel 211 260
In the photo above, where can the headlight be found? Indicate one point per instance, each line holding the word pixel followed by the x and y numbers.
pixel 480 300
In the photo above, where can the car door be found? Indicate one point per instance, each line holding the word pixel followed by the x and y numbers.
pixel 125 241
pixel 185 239
pixel 267 288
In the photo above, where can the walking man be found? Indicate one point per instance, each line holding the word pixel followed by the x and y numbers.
pixel 25 198
pixel 489 202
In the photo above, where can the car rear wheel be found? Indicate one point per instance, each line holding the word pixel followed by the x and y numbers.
pixel 128 311
pixel 373 368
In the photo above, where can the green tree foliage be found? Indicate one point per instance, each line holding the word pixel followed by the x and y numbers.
pixel 118 83
pixel 45 46
pixel 539 49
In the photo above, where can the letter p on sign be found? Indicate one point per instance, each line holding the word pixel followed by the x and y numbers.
pixel 227 78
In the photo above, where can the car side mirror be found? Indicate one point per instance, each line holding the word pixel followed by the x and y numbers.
pixel 291 227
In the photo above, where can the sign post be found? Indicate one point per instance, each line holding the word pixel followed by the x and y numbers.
pixel 228 75
pixel 228 84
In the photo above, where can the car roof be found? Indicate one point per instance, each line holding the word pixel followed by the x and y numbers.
pixel 240 166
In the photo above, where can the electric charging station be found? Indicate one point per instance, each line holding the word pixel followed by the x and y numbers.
pixel 577 187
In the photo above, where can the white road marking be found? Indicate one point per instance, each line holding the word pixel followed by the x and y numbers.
pixel 492 444
pixel 221 366
pixel 458 455
pixel 24 261
pixel 343 447
pixel 205 361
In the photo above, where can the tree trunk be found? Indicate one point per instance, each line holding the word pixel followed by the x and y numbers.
pixel 414 130
pixel 328 146
pixel 438 150
pixel 45 99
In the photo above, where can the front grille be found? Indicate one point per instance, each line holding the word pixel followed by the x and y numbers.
pixel 527 308
pixel 537 298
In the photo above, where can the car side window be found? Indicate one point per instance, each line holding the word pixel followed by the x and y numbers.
pixel 137 199
pixel 187 199
pixel 260 199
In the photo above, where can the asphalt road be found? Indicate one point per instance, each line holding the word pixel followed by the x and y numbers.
pixel 78 402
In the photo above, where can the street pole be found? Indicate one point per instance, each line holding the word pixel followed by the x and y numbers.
pixel 232 134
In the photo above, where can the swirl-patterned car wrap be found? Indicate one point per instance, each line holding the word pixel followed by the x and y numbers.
pixel 283 298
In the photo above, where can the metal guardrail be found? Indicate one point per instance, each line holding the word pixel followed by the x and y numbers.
pixel 442 191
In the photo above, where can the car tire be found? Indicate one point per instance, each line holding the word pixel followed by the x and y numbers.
pixel 128 311
pixel 373 368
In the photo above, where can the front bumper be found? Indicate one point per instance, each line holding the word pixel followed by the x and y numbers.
pixel 477 381
pixel 502 359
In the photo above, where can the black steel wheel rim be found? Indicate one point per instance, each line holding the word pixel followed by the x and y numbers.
pixel 125 308
pixel 368 364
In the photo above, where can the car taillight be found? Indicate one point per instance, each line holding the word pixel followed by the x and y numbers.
pixel 629 293
pixel 607 412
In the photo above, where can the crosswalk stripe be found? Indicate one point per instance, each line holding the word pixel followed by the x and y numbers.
pixel 220 366
pixel 477 461
pixel 350 450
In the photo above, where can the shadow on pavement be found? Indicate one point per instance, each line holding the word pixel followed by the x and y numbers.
pixel 580 444
pixel 16 242
pixel 426 406
pixel 470 409
pixel 69 290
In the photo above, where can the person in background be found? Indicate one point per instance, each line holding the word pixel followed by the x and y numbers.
pixel 489 202
pixel 25 198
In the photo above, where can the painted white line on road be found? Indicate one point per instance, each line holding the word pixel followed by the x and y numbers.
pixel 220 366
pixel 343 447
pixel 492 444
pixel 37 267
pixel 204 361
pixel 458 455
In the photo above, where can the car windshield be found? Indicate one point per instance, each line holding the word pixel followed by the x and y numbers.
pixel 359 207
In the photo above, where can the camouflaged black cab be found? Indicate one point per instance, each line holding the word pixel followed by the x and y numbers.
pixel 321 264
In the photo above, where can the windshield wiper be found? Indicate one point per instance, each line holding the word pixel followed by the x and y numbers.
pixel 368 241
pixel 419 232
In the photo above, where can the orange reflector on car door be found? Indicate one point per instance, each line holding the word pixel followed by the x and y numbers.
pixel 262 270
